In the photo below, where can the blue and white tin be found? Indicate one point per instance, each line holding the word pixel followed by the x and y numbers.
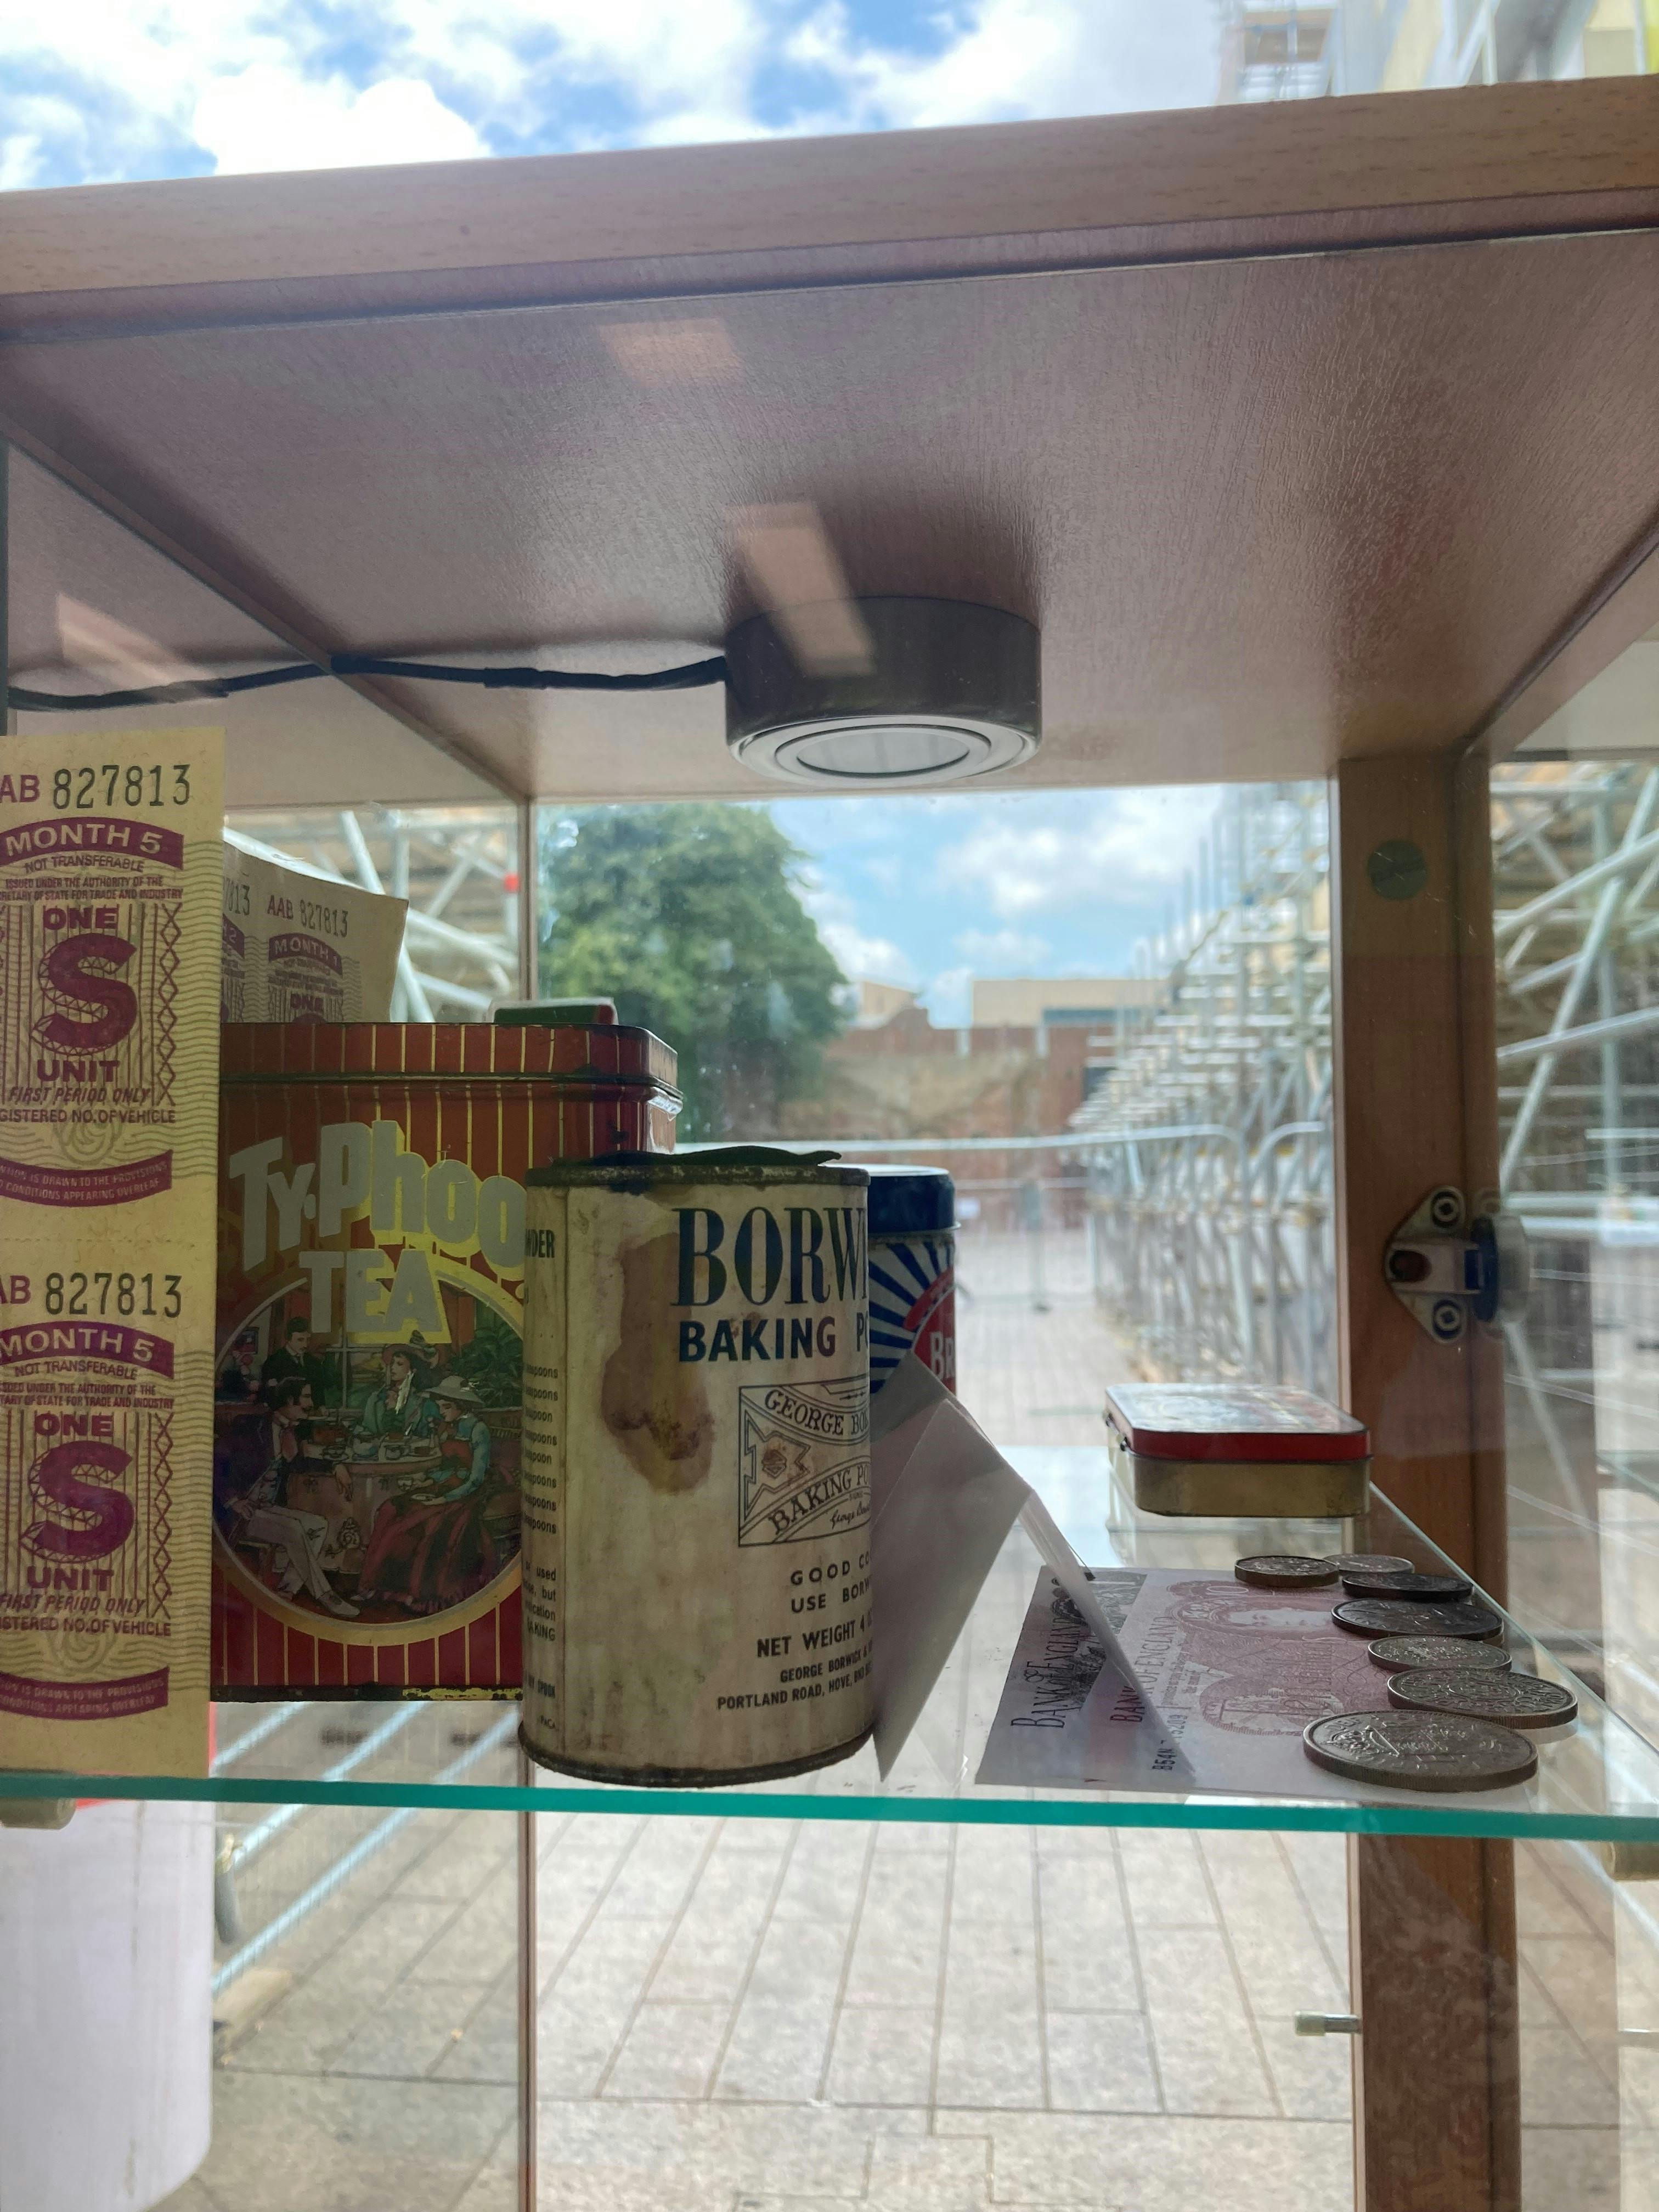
pixel 913 1251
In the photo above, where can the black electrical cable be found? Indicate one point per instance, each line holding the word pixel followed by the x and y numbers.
pixel 158 694
pixel 686 678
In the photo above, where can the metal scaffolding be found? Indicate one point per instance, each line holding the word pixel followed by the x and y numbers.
pixel 1575 852
pixel 1209 1158
pixel 1575 847
pixel 1210 1175
pixel 1209 1138
pixel 1275 50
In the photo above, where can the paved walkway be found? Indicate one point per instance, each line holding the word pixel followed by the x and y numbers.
pixel 1033 1374
pixel 742 2016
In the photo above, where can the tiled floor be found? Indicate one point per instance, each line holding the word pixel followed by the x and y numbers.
pixel 779 2012
pixel 786 2016
pixel 921 2010
pixel 1033 1374
pixel 743 2016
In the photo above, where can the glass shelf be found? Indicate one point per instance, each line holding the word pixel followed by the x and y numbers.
pixel 1598 1783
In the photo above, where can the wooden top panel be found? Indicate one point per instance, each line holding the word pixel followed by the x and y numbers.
pixel 1270 508
pixel 1288 173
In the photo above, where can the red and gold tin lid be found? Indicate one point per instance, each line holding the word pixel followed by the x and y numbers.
pixel 255 1052
pixel 1250 1421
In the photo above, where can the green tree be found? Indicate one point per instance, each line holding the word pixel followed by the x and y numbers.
pixel 690 917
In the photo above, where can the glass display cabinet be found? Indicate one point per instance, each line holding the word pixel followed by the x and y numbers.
pixel 1321 445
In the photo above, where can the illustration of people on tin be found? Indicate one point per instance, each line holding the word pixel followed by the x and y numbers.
pixel 299 1356
pixel 237 1381
pixel 259 1467
pixel 432 1546
pixel 400 1477
pixel 400 1413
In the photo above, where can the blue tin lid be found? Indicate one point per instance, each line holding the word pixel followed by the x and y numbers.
pixel 911 1201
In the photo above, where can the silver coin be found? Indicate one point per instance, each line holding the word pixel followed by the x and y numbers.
pixel 1284 1571
pixel 1399 1616
pixel 1397 1653
pixel 1437 1589
pixel 1370 1563
pixel 1420 1750
pixel 1518 1700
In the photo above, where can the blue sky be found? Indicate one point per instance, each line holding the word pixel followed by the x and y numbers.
pixel 95 90
pixel 929 892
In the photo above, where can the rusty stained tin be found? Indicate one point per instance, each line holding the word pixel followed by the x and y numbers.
pixel 697 1468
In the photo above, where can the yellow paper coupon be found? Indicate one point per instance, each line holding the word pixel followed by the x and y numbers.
pixel 298 948
pixel 110 898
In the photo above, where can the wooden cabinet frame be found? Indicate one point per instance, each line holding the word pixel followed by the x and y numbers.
pixel 1433 1934
pixel 1159 203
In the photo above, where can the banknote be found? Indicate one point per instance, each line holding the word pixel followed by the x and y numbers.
pixel 1225 1679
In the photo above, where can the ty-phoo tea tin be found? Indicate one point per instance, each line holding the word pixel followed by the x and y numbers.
pixel 371 1279
pixel 696 1469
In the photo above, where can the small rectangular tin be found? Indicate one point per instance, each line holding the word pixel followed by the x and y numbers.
pixel 372 1184
pixel 1221 1451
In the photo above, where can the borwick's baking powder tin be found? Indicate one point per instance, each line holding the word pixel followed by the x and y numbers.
pixel 371 1278
pixel 696 1467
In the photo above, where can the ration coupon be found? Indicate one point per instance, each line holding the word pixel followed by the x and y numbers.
pixel 110 898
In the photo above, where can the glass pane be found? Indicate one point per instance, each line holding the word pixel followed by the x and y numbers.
pixel 1600 1782
pixel 924 1987
pixel 365 2006
pixel 1574 818
pixel 1106 1015
pixel 771 2014
pixel 1589 1983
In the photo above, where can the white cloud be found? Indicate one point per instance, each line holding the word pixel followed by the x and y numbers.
pixel 869 959
pixel 1044 856
pixel 1011 950
pixel 947 997
pixel 92 89
pixel 688 72
pixel 1016 58
pixel 268 118
pixel 858 952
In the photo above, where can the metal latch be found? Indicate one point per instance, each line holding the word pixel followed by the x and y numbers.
pixel 1448 1270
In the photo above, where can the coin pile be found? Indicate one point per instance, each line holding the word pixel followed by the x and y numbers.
pixel 1456 1704
pixel 1399 1616
pixel 1396 1654
pixel 1434 1589
pixel 1518 1700
pixel 1420 1750
pixel 1285 1570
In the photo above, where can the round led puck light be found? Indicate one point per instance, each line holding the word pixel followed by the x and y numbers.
pixel 941 692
